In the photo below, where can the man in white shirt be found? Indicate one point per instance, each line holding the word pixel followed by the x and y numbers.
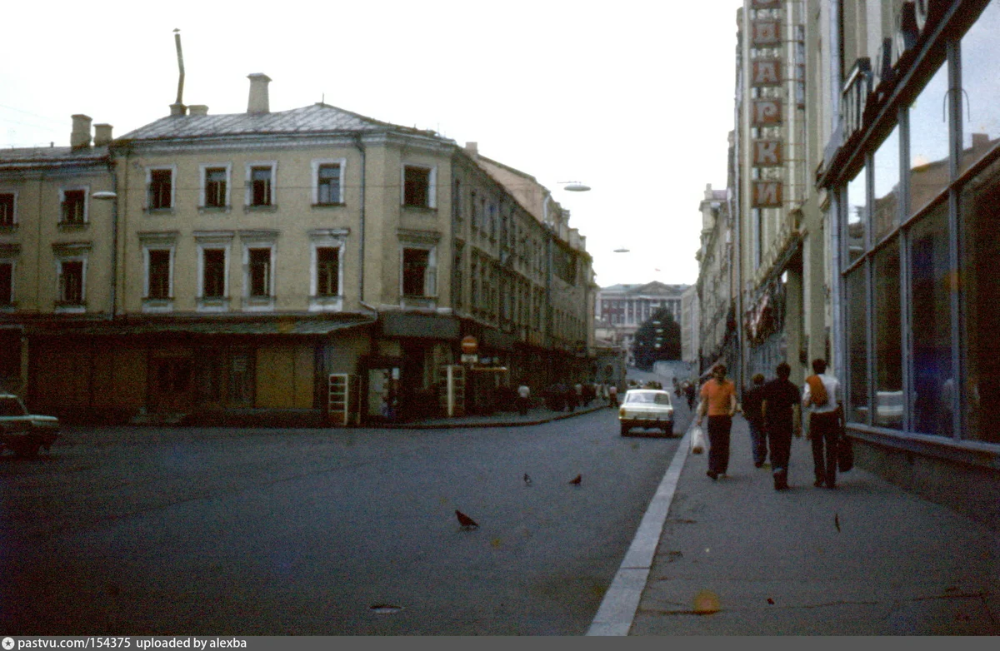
pixel 821 396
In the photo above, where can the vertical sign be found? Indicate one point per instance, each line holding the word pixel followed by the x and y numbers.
pixel 766 107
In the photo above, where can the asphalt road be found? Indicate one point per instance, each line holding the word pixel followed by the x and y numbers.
pixel 133 531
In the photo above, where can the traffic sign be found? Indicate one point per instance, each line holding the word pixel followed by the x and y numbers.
pixel 469 345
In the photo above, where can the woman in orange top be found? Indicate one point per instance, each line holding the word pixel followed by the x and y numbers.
pixel 718 401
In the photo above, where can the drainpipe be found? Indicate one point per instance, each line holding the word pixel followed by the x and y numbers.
pixel 361 229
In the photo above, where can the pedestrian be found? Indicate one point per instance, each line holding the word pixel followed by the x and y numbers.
pixel 523 398
pixel 613 396
pixel 690 392
pixel 718 402
pixel 782 419
pixel 753 399
pixel 821 396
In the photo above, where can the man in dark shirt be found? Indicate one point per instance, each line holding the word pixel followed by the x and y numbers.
pixel 753 400
pixel 781 420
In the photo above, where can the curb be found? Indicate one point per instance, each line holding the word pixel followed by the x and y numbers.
pixel 621 601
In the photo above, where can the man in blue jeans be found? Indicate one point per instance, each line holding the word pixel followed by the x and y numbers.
pixel 753 400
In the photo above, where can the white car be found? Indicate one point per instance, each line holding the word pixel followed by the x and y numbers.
pixel 646 408
pixel 23 433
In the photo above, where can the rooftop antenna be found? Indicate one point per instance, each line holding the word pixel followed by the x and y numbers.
pixel 178 108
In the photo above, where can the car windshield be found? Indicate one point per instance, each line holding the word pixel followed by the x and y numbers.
pixel 649 398
pixel 11 407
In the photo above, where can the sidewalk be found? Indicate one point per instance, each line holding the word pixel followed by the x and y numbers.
pixel 863 559
pixel 535 416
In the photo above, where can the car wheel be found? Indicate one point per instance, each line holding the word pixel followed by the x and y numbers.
pixel 625 429
pixel 668 429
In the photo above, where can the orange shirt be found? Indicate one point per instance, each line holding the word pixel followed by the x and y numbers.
pixel 717 396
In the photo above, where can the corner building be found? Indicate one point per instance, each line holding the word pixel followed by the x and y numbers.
pixel 303 265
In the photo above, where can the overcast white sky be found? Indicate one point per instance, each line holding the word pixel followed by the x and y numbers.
pixel 634 98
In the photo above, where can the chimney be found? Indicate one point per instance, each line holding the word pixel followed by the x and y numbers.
pixel 258 93
pixel 197 109
pixel 472 148
pixel 102 135
pixel 81 132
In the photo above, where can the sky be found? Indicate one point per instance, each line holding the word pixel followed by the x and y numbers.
pixel 632 98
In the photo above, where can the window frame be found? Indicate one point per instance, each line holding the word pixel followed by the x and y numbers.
pixel 431 188
pixel 203 171
pixel 250 185
pixel 203 243
pixel 327 239
pixel 172 199
pixel 425 241
pixel 64 253
pixel 84 190
pixel 158 242
pixel 319 163
pixel 12 221
pixel 11 299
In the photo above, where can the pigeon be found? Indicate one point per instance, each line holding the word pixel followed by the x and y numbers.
pixel 466 521
pixel 576 480
pixel 527 480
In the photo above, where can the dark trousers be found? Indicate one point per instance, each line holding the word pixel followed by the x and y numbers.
pixel 758 441
pixel 780 440
pixel 824 429
pixel 718 443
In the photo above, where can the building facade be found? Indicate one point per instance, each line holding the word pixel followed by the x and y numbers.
pixel 867 154
pixel 623 308
pixel 298 263
pixel 913 175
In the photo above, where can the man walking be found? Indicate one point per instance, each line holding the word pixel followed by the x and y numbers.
pixel 753 400
pixel 718 402
pixel 821 396
pixel 781 419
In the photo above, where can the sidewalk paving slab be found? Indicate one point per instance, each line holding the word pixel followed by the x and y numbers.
pixel 864 559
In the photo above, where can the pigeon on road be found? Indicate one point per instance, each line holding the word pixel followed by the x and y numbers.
pixel 576 480
pixel 527 480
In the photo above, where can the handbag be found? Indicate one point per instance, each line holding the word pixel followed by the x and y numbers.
pixel 697 440
pixel 845 453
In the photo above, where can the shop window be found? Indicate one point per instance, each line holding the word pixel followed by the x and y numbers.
pixel 981 287
pixel 886 195
pixel 930 316
pixel 857 216
pixel 981 97
pixel 857 346
pixel 929 168
pixel 888 338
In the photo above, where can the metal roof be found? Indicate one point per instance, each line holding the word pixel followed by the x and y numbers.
pixel 318 118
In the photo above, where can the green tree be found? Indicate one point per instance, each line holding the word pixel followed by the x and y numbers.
pixel 657 339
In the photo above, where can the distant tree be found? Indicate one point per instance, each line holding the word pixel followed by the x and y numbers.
pixel 657 339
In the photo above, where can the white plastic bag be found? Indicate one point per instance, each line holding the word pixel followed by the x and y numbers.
pixel 697 440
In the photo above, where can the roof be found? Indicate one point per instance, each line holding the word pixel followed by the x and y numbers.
pixel 51 156
pixel 318 118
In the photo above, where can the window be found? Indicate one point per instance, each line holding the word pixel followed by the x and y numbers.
pixel 261 180
pixel 158 274
pixel 981 108
pixel 161 188
pixel 929 171
pixel 457 277
pixel 6 283
pixel 416 263
pixel 418 186
pixel 71 282
pixel 329 184
pixel 260 273
pixel 885 202
pixel 857 212
pixel 74 206
pixel 216 187
pixel 888 338
pixel 327 271
pixel 213 273
pixel 7 204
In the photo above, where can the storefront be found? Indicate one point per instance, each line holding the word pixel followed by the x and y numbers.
pixel 916 187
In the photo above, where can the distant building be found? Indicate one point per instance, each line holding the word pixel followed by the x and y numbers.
pixel 621 309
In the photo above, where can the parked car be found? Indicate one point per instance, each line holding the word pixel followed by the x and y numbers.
pixel 23 433
pixel 646 408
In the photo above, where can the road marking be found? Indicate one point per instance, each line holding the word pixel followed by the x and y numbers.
pixel 621 601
